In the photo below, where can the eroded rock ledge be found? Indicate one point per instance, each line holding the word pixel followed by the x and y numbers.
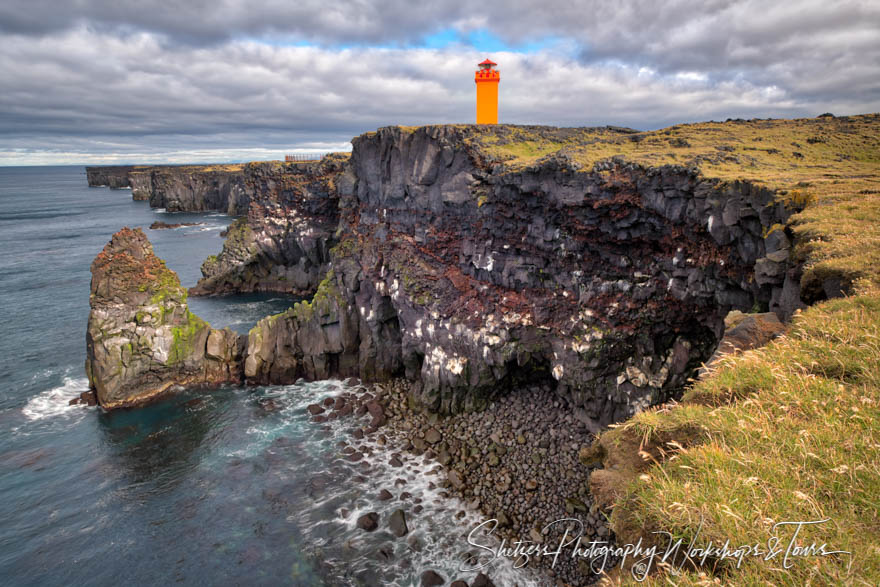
pixel 284 242
pixel 141 338
pixel 468 276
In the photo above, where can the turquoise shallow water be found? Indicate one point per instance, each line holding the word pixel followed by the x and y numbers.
pixel 216 488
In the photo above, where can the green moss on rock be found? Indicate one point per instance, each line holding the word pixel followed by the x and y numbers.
pixel 183 345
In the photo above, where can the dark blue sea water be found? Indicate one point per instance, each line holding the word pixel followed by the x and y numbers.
pixel 202 488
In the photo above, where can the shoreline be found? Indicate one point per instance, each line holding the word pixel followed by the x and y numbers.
pixel 516 461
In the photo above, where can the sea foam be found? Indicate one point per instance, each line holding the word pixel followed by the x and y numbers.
pixel 55 402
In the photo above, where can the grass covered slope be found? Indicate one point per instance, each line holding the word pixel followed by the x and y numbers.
pixel 781 434
pixel 831 163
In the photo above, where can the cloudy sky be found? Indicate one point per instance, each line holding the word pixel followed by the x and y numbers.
pixel 118 81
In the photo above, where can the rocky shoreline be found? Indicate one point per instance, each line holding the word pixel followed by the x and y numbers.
pixel 504 310
pixel 516 462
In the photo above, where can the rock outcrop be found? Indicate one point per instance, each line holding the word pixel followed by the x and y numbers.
pixel 226 188
pixel 141 182
pixel 159 225
pixel 328 336
pixel 141 338
pixel 194 188
pixel 284 242
pixel 180 188
pixel 744 332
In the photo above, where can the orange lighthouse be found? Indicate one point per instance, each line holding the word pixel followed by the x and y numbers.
pixel 487 79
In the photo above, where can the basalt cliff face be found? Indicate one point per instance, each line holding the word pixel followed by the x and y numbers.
pixel 225 188
pixel 180 188
pixel 141 338
pixel 470 276
pixel 194 189
pixel 284 242
pixel 141 183
pixel 116 176
pixel 440 262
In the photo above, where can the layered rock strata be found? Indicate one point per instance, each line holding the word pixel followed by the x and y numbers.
pixel 141 338
pixel 610 282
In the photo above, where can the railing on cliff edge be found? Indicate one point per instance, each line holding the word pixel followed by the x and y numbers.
pixel 297 157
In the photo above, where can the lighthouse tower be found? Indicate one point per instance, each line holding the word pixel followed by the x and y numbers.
pixel 487 79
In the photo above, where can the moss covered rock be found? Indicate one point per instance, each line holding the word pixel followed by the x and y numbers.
pixel 141 338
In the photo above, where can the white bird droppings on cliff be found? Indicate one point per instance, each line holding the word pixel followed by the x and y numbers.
pixel 456 365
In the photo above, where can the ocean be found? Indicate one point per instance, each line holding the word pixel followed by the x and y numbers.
pixel 219 487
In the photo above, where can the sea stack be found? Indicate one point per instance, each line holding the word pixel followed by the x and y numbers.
pixel 142 339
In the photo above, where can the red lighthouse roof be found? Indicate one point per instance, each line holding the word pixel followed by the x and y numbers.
pixel 487 62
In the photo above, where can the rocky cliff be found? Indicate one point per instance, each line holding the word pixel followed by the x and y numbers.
pixel 180 188
pixel 228 188
pixel 193 188
pixel 283 244
pixel 470 272
pixel 610 281
pixel 141 338
pixel 141 182
pixel 114 176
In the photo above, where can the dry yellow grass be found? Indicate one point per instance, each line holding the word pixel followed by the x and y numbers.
pixel 226 167
pixel 790 435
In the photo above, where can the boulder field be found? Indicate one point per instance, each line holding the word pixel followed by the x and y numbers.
pixel 433 259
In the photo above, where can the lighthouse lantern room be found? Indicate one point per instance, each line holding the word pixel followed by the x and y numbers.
pixel 487 79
